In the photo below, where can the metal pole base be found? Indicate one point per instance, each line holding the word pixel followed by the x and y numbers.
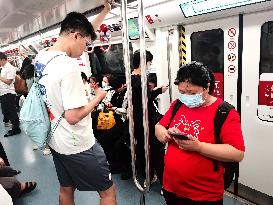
pixel 142 198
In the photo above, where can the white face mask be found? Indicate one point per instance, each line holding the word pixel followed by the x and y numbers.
pixel 192 101
pixel 104 84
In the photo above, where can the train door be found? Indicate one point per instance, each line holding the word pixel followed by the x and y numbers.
pixel 215 43
pixel 167 63
pixel 257 104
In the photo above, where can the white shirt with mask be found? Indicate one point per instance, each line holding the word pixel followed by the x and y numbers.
pixel 8 72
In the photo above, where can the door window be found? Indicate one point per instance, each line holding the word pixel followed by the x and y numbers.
pixel 208 47
pixel 265 89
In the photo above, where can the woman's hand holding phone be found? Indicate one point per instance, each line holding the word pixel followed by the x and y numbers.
pixel 185 142
pixel 180 136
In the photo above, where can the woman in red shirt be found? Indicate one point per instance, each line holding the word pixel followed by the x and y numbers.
pixel 189 176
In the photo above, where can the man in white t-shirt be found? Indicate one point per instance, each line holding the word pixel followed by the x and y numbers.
pixel 8 95
pixel 79 161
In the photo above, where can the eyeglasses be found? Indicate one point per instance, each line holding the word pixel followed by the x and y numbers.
pixel 88 43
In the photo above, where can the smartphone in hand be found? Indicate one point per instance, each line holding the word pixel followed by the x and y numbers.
pixel 178 136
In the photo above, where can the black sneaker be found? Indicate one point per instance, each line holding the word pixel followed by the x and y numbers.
pixel 13 132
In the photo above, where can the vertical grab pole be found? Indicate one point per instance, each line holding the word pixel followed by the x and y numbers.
pixel 169 65
pixel 144 90
pixel 126 59
pixel 126 54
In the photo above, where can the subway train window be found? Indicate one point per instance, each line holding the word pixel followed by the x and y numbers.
pixel 108 60
pixel 208 47
pixel 265 101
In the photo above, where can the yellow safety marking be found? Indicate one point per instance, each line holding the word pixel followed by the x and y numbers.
pixel 182 45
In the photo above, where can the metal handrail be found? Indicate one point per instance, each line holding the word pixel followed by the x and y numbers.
pixel 169 47
pixel 126 54
pixel 144 90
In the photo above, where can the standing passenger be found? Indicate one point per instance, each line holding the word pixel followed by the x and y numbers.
pixel 79 161
pixel 189 175
pixel 157 152
pixel 8 95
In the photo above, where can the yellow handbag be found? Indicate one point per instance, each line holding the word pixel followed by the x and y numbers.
pixel 106 120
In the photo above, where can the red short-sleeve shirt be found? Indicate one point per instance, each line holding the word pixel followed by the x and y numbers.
pixel 190 174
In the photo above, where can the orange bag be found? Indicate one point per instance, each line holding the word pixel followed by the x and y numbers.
pixel 20 85
pixel 106 120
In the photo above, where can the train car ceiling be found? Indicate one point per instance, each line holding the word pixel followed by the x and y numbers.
pixel 20 19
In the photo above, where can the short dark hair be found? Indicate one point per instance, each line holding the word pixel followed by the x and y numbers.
pixel 97 79
pixel 116 81
pixel 77 22
pixel 27 61
pixel 152 78
pixel 136 58
pixel 196 73
pixel 3 56
pixel 27 72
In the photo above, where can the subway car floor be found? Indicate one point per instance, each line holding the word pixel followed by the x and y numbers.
pixel 35 166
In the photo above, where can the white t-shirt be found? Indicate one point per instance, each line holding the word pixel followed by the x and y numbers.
pixel 5 197
pixel 9 72
pixel 62 88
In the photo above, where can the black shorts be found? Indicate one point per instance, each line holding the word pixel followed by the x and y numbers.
pixel 86 171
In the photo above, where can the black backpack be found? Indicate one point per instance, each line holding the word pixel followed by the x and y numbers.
pixel 231 168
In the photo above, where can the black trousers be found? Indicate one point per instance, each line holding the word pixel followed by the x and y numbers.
pixel 8 104
pixel 5 117
pixel 172 199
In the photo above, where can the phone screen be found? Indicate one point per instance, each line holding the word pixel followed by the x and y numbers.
pixel 178 136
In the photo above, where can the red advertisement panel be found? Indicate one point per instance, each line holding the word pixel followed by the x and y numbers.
pixel 266 93
pixel 219 85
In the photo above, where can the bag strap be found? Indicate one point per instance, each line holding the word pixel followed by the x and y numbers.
pixel 51 132
pixel 34 78
pixel 219 119
pixel 176 107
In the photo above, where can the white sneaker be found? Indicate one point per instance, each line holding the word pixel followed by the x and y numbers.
pixel 46 151
pixel 161 192
pixel 7 124
pixel 35 147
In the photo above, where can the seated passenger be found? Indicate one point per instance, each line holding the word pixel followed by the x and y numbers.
pixel 189 175
pixel 8 180
pixel 5 198
pixel 121 146
pixel 95 82
pixel 11 184
pixel 105 83
pixel 87 87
